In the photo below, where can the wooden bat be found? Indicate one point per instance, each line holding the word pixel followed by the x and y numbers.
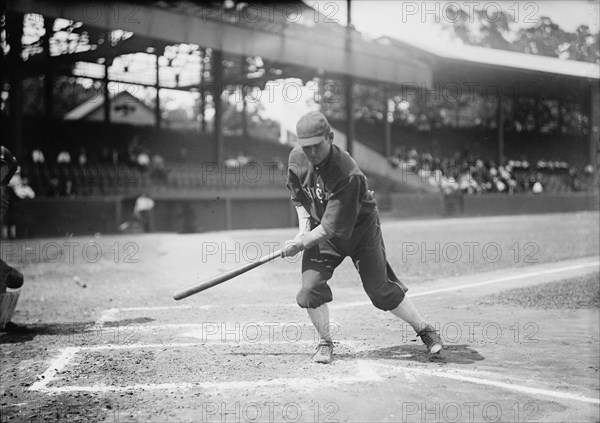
pixel 224 277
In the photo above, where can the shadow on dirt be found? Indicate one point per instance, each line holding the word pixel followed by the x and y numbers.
pixel 15 334
pixel 455 354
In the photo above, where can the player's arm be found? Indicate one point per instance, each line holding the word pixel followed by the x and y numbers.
pixel 303 221
pixel 305 241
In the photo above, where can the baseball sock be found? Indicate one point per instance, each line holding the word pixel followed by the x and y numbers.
pixel 407 312
pixel 320 319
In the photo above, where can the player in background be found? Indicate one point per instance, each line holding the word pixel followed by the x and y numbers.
pixel 11 280
pixel 338 218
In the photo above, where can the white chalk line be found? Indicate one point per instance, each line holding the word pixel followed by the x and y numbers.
pixel 455 374
pixel 211 343
pixel 364 372
pixel 57 365
pixel 508 278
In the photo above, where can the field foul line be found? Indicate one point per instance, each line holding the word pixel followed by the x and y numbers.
pixel 364 372
pixel 455 375
pixel 508 278
pixel 211 343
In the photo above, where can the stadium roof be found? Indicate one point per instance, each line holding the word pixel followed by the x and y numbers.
pixel 291 34
pixel 502 58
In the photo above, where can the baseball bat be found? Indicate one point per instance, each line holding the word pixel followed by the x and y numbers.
pixel 224 277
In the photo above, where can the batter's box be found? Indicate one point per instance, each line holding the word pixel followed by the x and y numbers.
pixel 197 366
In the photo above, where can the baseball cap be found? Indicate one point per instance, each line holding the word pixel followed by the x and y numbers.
pixel 311 127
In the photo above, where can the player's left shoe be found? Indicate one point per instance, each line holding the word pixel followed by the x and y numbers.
pixel 324 352
pixel 432 339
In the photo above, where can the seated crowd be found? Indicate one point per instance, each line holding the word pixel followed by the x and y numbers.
pixel 114 172
pixel 473 175
pixel 95 173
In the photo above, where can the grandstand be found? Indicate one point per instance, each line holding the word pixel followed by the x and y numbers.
pixel 202 163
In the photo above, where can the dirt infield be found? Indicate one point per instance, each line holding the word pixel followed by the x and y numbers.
pixel 106 342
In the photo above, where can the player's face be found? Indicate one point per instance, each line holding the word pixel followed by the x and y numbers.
pixel 318 152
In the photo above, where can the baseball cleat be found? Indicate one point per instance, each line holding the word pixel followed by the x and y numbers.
pixel 324 352
pixel 432 339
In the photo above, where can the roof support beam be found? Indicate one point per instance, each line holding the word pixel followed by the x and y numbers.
pixel 594 135
pixel 217 73
pixel 14 29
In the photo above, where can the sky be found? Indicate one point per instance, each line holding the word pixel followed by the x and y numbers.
pixel 407 19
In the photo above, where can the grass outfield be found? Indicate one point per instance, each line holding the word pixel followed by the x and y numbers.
pixel 571 294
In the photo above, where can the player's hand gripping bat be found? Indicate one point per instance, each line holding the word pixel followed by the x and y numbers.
pixel 224 277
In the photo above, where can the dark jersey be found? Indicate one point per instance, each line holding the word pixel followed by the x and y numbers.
pixel 335 193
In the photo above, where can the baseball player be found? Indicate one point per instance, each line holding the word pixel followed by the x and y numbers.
pixel 11 279
pixel 338 218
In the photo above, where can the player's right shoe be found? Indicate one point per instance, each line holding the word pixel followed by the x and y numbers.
pixel 432 339
pixel 324 352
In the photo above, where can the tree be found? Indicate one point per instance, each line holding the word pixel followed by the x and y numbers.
pixel 544 39
pixel 584 46
pixel 493 30
pixel 483 27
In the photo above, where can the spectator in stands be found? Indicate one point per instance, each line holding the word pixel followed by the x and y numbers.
pixel 63 157
pixel 158 172
pixel 574 182
pixel 37 157
pixel 537 187
pixel 17 189
pixel 115 157
pixel 82 158
pixel 498 185
pixel 143 161
pixel 133 149
pixel 467 183
pixel 588 177
pixel 53 187
pixel 143 212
